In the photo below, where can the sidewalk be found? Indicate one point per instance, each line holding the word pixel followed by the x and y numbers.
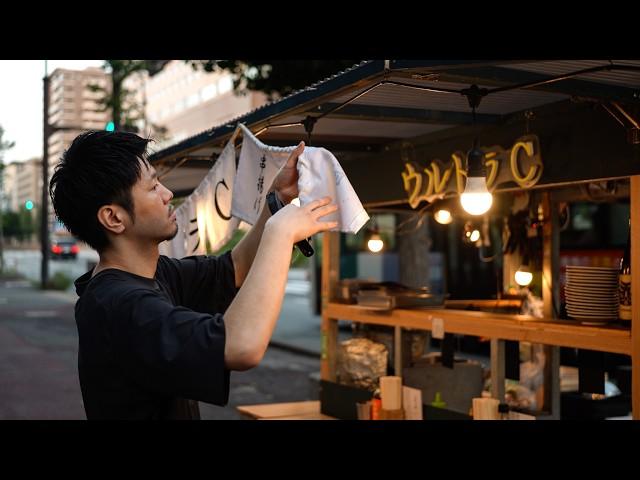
pixel 38 356
pixel 39 346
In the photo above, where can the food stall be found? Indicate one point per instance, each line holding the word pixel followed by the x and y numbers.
pixel 552 132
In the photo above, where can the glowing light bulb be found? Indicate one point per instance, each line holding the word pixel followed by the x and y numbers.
pixel 523 276
pixel 476 199
pixel 375 243
pixel 443 216
pixel 470 233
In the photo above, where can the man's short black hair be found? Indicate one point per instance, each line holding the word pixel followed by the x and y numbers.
pixel 99 168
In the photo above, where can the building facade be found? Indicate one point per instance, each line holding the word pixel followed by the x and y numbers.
pixel 185 102
pixel 22 183
pixel 74 107
pixel 176 103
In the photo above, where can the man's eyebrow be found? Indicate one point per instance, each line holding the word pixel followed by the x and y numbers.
pixel 154 175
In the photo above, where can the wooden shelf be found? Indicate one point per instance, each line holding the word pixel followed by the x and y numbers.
pixel 497 303
pixel 565 333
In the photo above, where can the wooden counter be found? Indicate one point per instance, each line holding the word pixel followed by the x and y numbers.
pixel 567 333
pixel 309 410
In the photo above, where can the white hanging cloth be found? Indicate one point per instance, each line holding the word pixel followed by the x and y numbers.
pixel 319 172
pixel 205 214
pixel 320 175
pixel 257 168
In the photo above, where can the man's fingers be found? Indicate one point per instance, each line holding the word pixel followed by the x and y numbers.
pixel 318 203
pixel 293 157
pixel 325 210
pixel 328 225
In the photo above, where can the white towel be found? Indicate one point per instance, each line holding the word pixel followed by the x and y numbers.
pixel 321 175
pixel 257 168
pixel 205 214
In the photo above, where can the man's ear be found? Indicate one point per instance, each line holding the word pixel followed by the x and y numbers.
pixel 112 218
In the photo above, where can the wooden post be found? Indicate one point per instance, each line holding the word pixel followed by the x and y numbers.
pixel 497 369
pixel 329 326
pixel 397 350
pixel 550 295
pixel 634 200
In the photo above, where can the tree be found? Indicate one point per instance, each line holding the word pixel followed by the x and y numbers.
pixel 125 110
pixel 276 78
pixel 11 224
pixel 4 146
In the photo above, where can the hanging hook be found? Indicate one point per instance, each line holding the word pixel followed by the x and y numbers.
pixel 474 95
pixel 528 115
pixel 309 123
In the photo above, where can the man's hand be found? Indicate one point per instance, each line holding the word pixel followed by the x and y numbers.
pixel 297 223
pixel 286 182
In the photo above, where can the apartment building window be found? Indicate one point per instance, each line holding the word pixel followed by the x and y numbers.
pixel 101 82
pixel 193 100
pixel 179 136
pixel 208 92
pixel 179 106
pixel 225 84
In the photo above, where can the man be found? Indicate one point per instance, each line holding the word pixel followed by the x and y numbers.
pixel 158 334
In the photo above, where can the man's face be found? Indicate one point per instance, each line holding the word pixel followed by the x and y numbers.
pixel 154 216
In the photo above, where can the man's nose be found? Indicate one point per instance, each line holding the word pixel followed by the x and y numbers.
pixel 170 194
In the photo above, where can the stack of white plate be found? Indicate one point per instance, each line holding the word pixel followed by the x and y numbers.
pixel 592 293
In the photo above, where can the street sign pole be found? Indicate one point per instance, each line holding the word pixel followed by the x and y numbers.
pixel 44 211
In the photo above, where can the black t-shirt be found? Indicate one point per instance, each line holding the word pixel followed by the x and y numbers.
pixel 152 348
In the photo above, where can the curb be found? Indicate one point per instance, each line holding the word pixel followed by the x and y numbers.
pixel 294 349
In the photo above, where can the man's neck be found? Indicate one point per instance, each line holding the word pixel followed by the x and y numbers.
pixel 137 259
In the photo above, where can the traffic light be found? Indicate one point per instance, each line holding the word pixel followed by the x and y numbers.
pixel 28 205
pixel 110 127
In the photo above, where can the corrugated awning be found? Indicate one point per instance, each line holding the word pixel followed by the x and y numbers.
pixel 390 110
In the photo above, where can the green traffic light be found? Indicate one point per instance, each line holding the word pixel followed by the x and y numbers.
pixel 110 127
pixel 28 204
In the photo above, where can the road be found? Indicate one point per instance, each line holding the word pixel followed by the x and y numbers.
pixel 28 263
pixel 298 327
pixel 38 348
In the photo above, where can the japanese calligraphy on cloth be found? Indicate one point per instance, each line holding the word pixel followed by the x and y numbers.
pixel 206 214
pixel 257 168
pixel 319 172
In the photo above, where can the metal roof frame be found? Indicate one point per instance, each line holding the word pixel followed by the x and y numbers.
pixel 319 100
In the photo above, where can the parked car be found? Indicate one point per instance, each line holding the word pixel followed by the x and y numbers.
pixel 64 248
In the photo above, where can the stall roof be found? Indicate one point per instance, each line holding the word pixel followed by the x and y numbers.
pixel 390 109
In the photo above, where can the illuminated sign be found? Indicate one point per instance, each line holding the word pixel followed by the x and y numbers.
pixel 521 164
